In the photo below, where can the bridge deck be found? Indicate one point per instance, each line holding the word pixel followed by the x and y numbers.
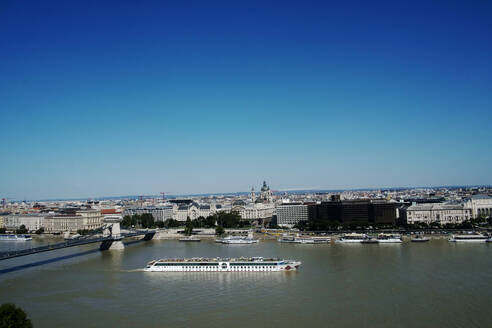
pixel 70 243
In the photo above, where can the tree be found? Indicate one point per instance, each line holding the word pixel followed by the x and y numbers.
pixel 146 220
pixel 3 230
pixel 12 316
pixel 22 230
pixel 127 222
pixel 189 227
pixel 210 221
pixel 229 220
pixel 171 223
pixel 40 231
pixel 219 230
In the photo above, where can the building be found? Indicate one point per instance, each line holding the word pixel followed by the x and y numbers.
pixel 182 211
pixel 257 210
pixel 353 212
pixel 73 221
pixel 290 214
pixel 437 213
pixel 480 205
pixel 257 213
pixel 32 222
pixel 161 213
pixel 265 194
pixel 93 219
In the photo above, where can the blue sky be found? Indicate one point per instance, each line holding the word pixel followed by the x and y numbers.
pixel 137 97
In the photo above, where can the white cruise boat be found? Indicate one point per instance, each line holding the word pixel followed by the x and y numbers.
pixel 236 240
pixel 420 239
pixel 15 237
pixel 304 239
pixel 254 264
pixel 389 238
pixel 352 238
pixel 468 238
pixel 190 239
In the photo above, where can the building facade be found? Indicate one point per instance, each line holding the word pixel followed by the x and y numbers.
pixel 438 213
pixel 161 213
pixel 79 220
pixel 290 214
pixel 480 205
pixel 32 222
pixel 353 212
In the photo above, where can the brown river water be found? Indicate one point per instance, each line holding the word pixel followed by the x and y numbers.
pixel 434 284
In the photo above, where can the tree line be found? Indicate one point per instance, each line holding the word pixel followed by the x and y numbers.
pixel 220 219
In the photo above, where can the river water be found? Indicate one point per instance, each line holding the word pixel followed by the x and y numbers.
pixel 434 284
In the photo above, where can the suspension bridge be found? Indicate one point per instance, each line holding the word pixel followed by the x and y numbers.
pixel 109 235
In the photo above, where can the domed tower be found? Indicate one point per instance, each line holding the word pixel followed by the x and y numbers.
pixel 266 193
pixel 253 195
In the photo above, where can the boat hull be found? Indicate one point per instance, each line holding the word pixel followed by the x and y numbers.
pixel 223 266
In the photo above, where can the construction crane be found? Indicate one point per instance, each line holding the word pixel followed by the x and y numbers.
pixel 163 193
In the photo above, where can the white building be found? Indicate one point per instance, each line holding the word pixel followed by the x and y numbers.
pixel 437 212
pixel 481 205
pixel 289 214
pixel 79 220
pixel 255 211
pixel 160 213
pixel 32 222
pixel 194 210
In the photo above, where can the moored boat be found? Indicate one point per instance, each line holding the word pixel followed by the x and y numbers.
pixel 389 238
pixel 369 240
pixel 304 239
pixel 352 238
pixel 236 240
pixel 468 238
pixel 190 239
pixel 254 264
pixel 419 239
pixel 6 237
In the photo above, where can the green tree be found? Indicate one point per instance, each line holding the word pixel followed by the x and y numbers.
pixel 210 221
pixel 12 316
pixel 22 230
pixel 40 231
pixel 146 220
pixel 188 227
pixel 127 222
pixel 171 223
pixel 229 220
pixel 219 230
pixel 3 230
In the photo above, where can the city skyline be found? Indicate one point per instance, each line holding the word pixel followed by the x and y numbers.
pixel 123 98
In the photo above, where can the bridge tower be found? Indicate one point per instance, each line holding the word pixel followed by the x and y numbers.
pixel 112 229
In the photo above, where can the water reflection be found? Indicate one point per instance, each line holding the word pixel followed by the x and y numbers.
pixel 224 278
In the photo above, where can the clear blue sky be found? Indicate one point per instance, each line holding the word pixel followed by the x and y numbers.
pixel 137 97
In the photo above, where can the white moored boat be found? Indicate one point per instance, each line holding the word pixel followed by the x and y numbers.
pixel 236 240
pixel 420 239
pixel 190 239
pixel 468 238
pixel 352 238
pixel 15 238
pixel 254 264
pixel 389 238
pixel 304 239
